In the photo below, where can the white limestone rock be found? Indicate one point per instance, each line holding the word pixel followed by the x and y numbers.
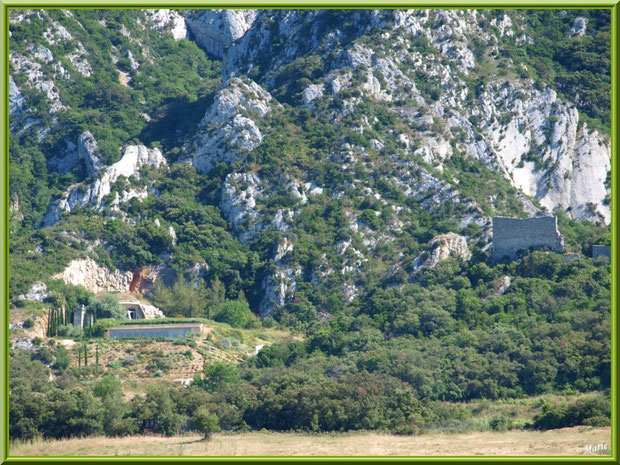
pixel 86 272
pixel 312 92
pixel 238 203
pixel 16 98
pixel 579 27
pixel 442 247
pixel 88 152
pixel 573 160
pixel 92 194
pixel 225 133
pixel 37 292
pixel 168 21
pixel 279 287
pixel 216 30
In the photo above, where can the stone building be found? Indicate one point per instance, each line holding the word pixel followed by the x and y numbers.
pixel 510 235
pixel 601 251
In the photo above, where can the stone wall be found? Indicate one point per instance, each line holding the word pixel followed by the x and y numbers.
pixel 601 251
pixel 513 234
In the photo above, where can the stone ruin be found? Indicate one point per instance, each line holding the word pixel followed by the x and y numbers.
pixel 601 251
pixel 81 318
pixel 510 235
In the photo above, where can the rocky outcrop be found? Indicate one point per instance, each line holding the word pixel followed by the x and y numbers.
pixel 545 150
pixel 86 272
pixel 442 247
pixel 88 152
pixel 501 285
pixel 16 99
pixel 228 130
pixel 37 292
pixel 36 78
pixel 216 30
pixel 151 312
pixel 519 128
pixel 135 157
pixel 579 27
pixel 238 203
pixel 278 288
pixel 143 279
pixel 445 245
pixel 168 21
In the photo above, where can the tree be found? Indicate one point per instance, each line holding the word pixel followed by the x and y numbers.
pixel 218 374
pixel 206 422
pixel 107 306
pixel 235 313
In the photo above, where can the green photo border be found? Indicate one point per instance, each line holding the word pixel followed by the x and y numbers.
pixel 343 4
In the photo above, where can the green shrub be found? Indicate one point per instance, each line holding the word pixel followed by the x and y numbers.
pixel 501 423
pixel 235 313
pixel 595 411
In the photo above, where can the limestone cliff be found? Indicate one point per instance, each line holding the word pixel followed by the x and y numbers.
pixel 134 158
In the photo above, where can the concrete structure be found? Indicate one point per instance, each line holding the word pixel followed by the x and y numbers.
pixel 171 331
pixel 140 311
pixel 601 251
pixel 510 235
pixel 79 314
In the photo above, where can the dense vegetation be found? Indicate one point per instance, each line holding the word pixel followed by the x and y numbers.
pixel 384 365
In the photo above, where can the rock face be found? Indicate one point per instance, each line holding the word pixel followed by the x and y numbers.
pixel 16 99
pixel 279 287
pixel 402 108
pixel 135 157
pixel 228 130
pixel 524 130
pixel 168 21
pixel 579 27
pixel 513 234
pixel 87 151
pixel 238 202
pixel 143 279
pixel 444 246
pixel 216 30
pixel 502 285
pixel 546 152
pixel 87 273
pixel 37 292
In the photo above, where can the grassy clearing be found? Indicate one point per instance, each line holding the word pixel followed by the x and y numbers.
pixel 567 441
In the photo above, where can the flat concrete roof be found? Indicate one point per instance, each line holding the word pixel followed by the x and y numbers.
pixel 157 326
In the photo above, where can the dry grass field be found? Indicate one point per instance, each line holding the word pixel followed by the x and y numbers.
pixel 567 441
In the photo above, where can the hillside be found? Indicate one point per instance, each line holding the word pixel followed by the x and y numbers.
pixel 332 173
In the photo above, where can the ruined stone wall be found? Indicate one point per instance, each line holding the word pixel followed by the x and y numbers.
pixel 601 251
pixel 513 234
